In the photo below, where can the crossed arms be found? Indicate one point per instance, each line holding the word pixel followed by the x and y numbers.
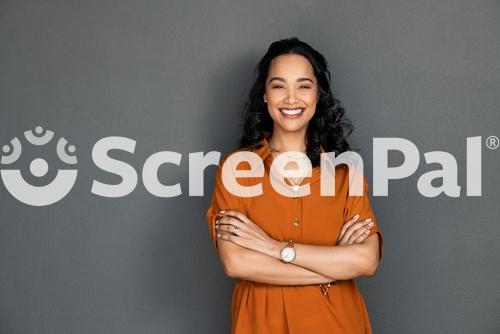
pixel 254 256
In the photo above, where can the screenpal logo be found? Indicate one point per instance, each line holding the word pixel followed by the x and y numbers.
pixel 51 193
pixel 65 178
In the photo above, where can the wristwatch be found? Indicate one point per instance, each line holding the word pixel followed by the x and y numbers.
pixel 288 253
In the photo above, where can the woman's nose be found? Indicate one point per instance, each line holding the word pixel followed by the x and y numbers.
pixel 291 96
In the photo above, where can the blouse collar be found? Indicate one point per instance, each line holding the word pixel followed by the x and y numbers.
pixel 264 152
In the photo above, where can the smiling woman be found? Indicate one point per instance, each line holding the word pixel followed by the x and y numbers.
pixel 289 95
pixel 296 258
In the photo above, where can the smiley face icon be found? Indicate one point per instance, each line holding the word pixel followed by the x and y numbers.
pixel 30 194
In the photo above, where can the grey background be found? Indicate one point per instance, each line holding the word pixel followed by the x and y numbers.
pixel 174 76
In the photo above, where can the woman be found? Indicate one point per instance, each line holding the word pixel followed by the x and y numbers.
pixel 296 258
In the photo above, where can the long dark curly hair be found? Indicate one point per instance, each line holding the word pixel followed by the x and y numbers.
pixel 328 127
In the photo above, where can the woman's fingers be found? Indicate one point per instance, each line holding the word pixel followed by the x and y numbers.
pixel 247 234
pixel 238 215
pixel 248 225
pixel 243 242
pixel 231 220
pixel 227 236
pixel 362 237
pixel 360 233
pixel 346 225
pixel 354 231
pixel 230 228
pixel 352 228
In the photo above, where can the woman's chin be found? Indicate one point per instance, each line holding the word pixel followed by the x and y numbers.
pixel 291 126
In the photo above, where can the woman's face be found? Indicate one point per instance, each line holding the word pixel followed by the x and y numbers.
pixel 291 92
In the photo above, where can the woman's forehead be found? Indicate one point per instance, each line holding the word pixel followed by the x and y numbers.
pixel 291 66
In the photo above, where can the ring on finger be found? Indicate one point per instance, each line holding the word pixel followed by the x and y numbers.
pixel 235 230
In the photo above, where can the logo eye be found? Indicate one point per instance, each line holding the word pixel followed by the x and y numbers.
pixel 14 155
pixel 61 152
pixel 38 139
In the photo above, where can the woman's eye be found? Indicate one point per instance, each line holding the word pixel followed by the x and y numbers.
pixel 277 86
pixel 305 87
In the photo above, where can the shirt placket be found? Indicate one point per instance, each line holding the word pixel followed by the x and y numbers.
pixel 296 218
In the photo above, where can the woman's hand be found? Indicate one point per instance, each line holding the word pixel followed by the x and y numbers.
pixel 234 226
pixel 354 232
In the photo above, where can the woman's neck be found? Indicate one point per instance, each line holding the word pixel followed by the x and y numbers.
pixel 284 141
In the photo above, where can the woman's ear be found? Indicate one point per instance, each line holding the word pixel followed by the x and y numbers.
pixel 265 98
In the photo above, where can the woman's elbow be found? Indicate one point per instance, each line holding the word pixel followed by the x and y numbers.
pixel 230 268
pixel 370 266
pixel 231 263
pixel 371 257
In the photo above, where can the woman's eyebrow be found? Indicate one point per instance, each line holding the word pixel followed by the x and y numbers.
pixel 304 79
pixel 277 78
pixel 298 80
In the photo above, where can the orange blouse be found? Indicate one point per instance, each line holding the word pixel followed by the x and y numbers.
pixel 259 308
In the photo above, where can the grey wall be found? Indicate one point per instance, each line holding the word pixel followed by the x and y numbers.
pixel 173 76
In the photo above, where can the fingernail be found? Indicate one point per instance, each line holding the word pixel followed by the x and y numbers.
pixel 368 220
pixel 356 216
pixel 218 235
pixel 371 224
pixel 222 211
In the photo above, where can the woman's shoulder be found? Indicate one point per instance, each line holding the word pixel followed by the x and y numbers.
pixel 240 162
pixel 226 155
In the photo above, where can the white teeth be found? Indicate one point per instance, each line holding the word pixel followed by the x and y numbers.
pixel 291 111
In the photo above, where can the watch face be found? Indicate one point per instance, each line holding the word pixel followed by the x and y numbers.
pixel 288 254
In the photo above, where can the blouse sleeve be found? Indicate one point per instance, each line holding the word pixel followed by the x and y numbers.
pixel 362 205
pixel 221 199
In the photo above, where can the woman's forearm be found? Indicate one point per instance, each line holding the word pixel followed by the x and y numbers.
pixel 250 265
pixel 341 262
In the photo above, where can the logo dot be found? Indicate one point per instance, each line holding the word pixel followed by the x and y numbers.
pixel 71 148
pixel 5 149
pixel 38 129
pixel 39 167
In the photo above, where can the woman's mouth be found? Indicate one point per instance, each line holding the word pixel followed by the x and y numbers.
pixel 291 113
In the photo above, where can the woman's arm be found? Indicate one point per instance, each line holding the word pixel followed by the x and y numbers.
pixel 341 262
pixel 338 262
pixel 243 263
